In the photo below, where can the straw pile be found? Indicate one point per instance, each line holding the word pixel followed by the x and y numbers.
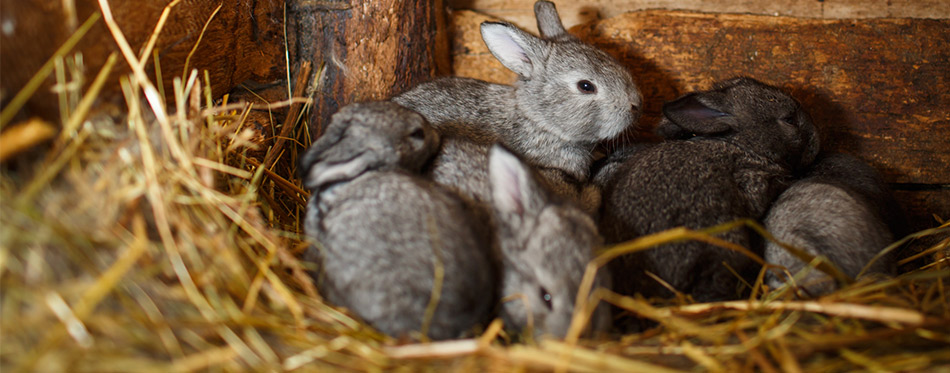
pixel 145 241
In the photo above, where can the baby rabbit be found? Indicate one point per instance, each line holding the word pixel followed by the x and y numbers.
pixel 382 232
pixel 837 211
pixel 545 245
pixel 731 151
pixel 569 96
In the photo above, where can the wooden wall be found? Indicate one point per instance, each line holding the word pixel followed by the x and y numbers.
pixel 243 40
pixel 877 88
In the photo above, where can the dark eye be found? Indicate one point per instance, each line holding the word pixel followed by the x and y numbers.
pixel 586 86
pixel 790 119
pixel 546 297
pixel 418 134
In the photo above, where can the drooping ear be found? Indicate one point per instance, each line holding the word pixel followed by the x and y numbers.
pixel 331 137
pixel 515 49
pixel 549 23
pixel 810 138
pixel 331 171
pixel 514 190
pixel 692 115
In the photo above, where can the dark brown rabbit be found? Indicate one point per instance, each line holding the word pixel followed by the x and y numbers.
pixel 730 152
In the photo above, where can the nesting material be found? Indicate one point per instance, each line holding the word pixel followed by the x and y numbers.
pixel 144 242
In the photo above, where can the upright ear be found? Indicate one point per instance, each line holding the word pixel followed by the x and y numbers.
pixel 514 190
pixel 692 115
pixel 515 49
pixel 549 23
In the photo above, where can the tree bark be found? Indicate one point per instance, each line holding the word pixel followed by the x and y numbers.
pixel 369 50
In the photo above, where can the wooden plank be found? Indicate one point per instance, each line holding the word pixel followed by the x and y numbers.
pixel 926 208
pixel 574 13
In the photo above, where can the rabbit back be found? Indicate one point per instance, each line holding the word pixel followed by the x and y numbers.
pixel 840 211
pixel 696 184
pixel 382 236
pixel 462 166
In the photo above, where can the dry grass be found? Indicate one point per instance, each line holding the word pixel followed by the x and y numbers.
pixel 153 243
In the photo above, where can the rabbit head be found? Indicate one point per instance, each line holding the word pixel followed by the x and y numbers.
pixel 748 113
pixel 368 136
pixel 578 91
pixel 545 247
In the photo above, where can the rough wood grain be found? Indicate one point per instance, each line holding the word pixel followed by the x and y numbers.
pixel 878 89
pixel 243 41
pixel 371 50
pixel 574 13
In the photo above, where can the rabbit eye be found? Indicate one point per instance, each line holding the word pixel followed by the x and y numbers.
pixel 586 86
pixel 546 297
pixel 790 119
pixel 418 134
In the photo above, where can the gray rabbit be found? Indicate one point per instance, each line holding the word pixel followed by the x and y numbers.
pixel 569 96
pixel 382 231
pixel 841 211
pixel 545 245
pixel 730 152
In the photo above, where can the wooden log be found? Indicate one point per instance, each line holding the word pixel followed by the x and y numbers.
pixel 876 88
pixel 243 40
pixel 370 50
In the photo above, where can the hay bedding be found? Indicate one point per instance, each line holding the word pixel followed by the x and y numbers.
pixel 150 242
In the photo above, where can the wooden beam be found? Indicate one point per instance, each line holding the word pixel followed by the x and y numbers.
pixel 521 12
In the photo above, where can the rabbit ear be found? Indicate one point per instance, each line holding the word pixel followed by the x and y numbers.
pixel 694 116
pixel 810 139
pixel 514 48
pixel 317 151
pixel 514 190
pixel 549 23
pixel 330 171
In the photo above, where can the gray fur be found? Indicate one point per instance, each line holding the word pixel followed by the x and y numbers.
pixel 544 117
pixel 545 246
pixel 730 152
pixel 382 231
pixel 837 211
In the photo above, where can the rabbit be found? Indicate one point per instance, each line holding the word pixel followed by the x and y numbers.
pixel 382 230
pixel 461 165
pixel 727 154
pixel 545 245
pixel 840 210
pixel 569 96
